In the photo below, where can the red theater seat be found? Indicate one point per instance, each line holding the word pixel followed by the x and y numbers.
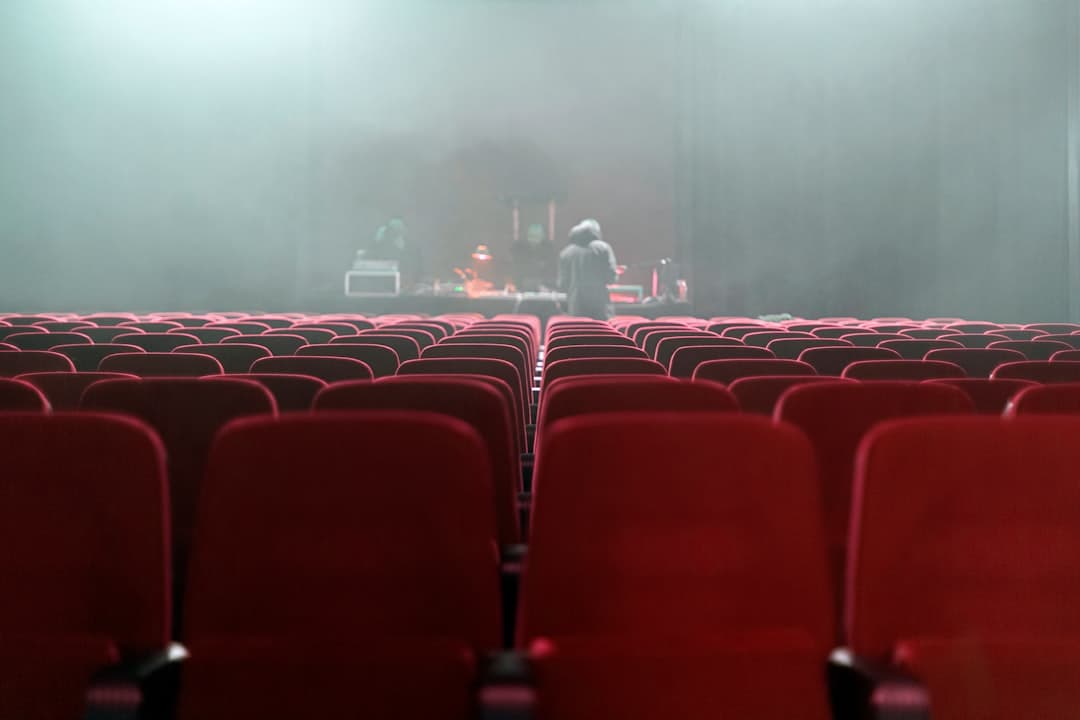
pixel 244 327
pixel 20 362
pixel 7 331
pixel 103 334
pixel 791 349
pixel 382 360
pixel 660 587
pixel 510 354
pixel 1032 349
pixel 277 344
pixel 328 369
pixel 976 341
pixel 405 347
pixel 728 371
pixel 338 329
pixel 759 395
pixel 604 338
pixel 1041 372
pixel 667 347
pixel 977 363
pixel 234 357
pixel 494 338
pixel 686 360
pixel 575 352
pixel 965 555
pixel 159 326
pixel 1060 399
pixel 475 402
pixel 834 360
pixel 167 364
pixel 314 336
pixel 870 339
pixel 423 338
pixel 917 349
pixel 157 342
pixel 207 335
pixel 902 370
pixel 835 417
pixel 292 393
pixel 87 358
pixel 46 341
pixel 990 396
pixel 1073 341
pixel 83 556
pixel 20 396
pixel 64 390
pixel 601 366
pixel 344 566
pixel 762 339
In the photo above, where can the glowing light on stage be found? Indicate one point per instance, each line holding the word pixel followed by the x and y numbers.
pixel 482 253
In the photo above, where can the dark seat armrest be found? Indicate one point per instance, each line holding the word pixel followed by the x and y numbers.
pixel 506 690
pixel 865 690
pixel 143 687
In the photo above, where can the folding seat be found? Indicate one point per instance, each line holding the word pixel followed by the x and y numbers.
pixel 571 352
pixel 977 342
pixel 189 321
pixel 975 327
pixel 1055 328
pixel 516 341
pixel 835 417
pixel 339 329
pixel 837 332
pixel 929 333
pixel 1031 349
pixel 276 322
pixel 21 396
pixel 1056 399
pixel 863 339
pixel 187 414
pixel 210 336
pixel 404 347
pixel 667 347
pixel 658 588
pixel 508 353
pixel 917 349
pixel 46 341
pixel 601 366
pixel 528 320
pixel 245 327
pixel 382 360
pixel 686 360
pixel 720 328
pixel 436 330
pixel 762 339
pixel 576 396
pixel 792 348
pixel 1045 372
pixel 1065 356
pixel 110 319
pixel 965 554
pixel 912 370
pixel 423 338
pixel 292 393
pixel 161 365
pixel 314 573
pixel 83 557
pixel 500 369
pixel 833 360
pixel 1022 334
pixel 809 327
pixel 19 362
pixel 58 326
pixel 152 327
pixel 1073 341
pixel 103 334
pixel 64 390
pixel 326 368
pixel 521 334
pixel 634 331
pixel 728 371
pixel 977 363
pixel 86 358
pixel 589 339
pixel 472 401
pixel 26 320
pixel 276 344
pixel 652 338
pixel 314 336
pixel 358 324
pixel 990 397
pixel 157 342
pixel 759 395
pixel 234 357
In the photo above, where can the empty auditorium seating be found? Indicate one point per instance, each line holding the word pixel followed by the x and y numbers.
pixel 59 326
pixel 762 339
pixel 571 352
pixel 326 586
pixel 601 366
pixel 339 329
pixel 246 327
pixel 314 336
pixel 21 396
pixel 792 348
pixel 1073 341
pixel 989 396
pixel 833 360
pixel 328 369
pixel 965 556
pixel 1041 372
pixel 280 344
pixel 917 349
pixel 686 360
pixel 507 353
pixel 18 362
pixel 974 327
pixel 64 390
pixel 902 370
pixel 928 334
pixel 667 347
pixel 292 393
pixel 524 345
pixel 46 341
pixel 660 587
pixel 157 342
pixel 977 341
pixel 977 363
pixel 234 357
pixel 423 338
pixel 403 346
pixel 869 339
pixel 476 366
pixel 161 364
pixel 208 335
pixel 836 416
pixel 148 326
pixel 382 360
pixel 83 556
pixel 1031 349
pixel 728 371
pixel 759 395
pixel 1058 399
pixel 104 334
pixel 473 401
pixel 589 339
pixel 89 357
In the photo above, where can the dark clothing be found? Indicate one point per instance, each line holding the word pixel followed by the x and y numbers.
pixel 534 265
pixel 585 270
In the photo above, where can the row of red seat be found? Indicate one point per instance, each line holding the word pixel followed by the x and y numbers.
pixel 687 576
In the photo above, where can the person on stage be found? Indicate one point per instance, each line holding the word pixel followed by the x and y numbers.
pixel 534 261
pixel 391 242
pixel 586 267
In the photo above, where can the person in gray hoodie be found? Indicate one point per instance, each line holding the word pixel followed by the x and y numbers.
pixel 586 267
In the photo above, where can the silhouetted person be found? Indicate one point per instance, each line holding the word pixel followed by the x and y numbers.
pixel 586 267
pixel 534 260
pixel 391 242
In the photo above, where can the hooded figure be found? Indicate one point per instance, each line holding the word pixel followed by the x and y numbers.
pixel 586 267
